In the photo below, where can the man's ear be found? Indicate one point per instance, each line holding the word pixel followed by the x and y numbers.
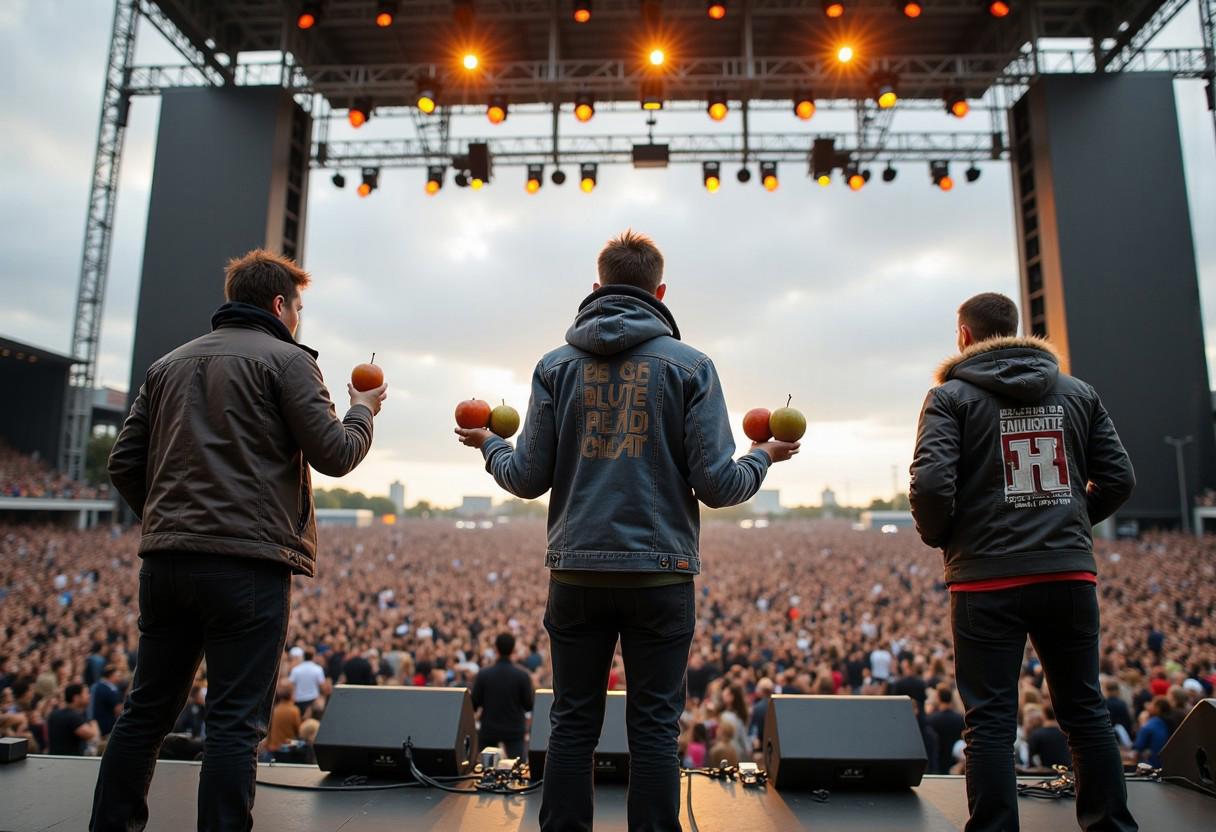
pixel 966 338
pixel 277 305
pixel 661 291
pixel 595 287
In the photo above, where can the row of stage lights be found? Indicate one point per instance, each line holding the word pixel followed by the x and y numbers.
pixel 311 14
pixel 711 177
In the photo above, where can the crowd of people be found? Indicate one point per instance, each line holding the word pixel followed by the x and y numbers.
pixel 25 475
pixel 796 607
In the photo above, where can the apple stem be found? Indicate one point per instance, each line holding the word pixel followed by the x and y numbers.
pixel 504 402
pixel 790 399
pixel 373 361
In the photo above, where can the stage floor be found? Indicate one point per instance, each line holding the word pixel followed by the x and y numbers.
pixel 55 793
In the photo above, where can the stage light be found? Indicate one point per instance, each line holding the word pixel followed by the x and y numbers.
pixel 910 10
pixel 768 176
pixel 711 176
pixel 558 177
pixel 956 105
pixel 856 180
pixel 360 112
pixel 973 174
pixel 470 61
pixel 885 94
pixel 371 181
pixel 652 94
pixel 889 174
pixel 804 107
pixel 845 54
pixel 833 8
pixel 584 107
pixel 999 8
pixel 309 16
pixel 823 160
pixel 582 11
pixel 657 56
pixel 587 172
pixel 496 112
pixel 386 10
pixel 939 172
pixel 824 180
pixel 716 9
pixel 339 180
pixel 536 178
pixel 717 107
pixel 427 100
pixel 461 179
pixel 744 175
pixel 476 184
pixel 434 179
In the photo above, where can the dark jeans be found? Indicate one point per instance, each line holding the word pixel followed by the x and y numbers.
pixel 234 611
pixel 655 627
pixel 515 747
pixel 990 630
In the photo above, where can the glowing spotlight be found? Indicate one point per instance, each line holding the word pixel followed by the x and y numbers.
pixel 386 10
pixel 857 181
pixel 309 16
pixel 652 94
pixel 717 107
pixel 824 180
pixel 360 112
pixel 427 101
pixel 470 61
pixel 711 176
pixel 845 54
pixel 999 8
pixel 957 106
pixel 584 107
pixel 833 9
pixel 889 174
pixel 768 176
pixel 496 112
pixel 371 181
pixel 910 10
pixel 973 174
pixel 804 107
pixel 536 178
pixel 587 172
pixel 476 184
pixel 582 11
pixel 885 94
pixel 657 57
pixel 716 9
pixel 939 171
pixel 434 179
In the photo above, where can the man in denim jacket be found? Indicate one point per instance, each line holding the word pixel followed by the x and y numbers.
pixel 628 426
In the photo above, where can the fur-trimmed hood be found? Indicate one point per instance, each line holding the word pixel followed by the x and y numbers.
pixel 1019 367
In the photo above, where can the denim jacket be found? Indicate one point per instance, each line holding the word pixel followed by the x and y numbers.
pixel 628 426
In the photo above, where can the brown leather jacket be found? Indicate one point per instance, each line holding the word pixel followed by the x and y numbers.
pixel 215 454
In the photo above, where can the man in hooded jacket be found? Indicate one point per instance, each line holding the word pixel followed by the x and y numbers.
pixel 1015 462
pixel 628 427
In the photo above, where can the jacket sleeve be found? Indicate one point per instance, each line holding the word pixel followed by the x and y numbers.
pixel 934 472
pixel 331 445
pixel 716 478
pixel 527 469
pixel 128 464
pixel 1111 476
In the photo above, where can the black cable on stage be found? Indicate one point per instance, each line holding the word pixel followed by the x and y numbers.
pixel 483 787
pixel 357 783
pixel 692 819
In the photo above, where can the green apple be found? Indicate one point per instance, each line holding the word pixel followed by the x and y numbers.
pixel 787 424
pixel 504 420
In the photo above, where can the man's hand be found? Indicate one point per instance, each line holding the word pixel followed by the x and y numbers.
pixel 371 399
pixel 777 451
pixel 473 437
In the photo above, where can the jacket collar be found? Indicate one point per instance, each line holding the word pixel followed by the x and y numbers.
pixel 633 292
pixel 1009 342
pixel 247 316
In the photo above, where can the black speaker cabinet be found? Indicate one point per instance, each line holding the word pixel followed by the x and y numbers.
pixel 1190 754
pixel 840 742
pixel 364 728
pixel 611 753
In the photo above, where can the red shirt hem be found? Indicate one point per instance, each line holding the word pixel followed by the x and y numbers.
pixel 993 584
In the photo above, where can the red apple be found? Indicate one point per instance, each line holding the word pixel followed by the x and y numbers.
pixel 473 413
pixel 367 376
pixel 755 424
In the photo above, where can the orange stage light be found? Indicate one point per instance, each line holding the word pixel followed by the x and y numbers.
pixel 583 111
pixel 588 185
pixel 712 183
pixel 857 181
pixel 999 8
pixel 845 54
pixel 496 113
pixel 946 183
pixel 532 186
pixel 364 189
pixel 718 110
pixel 770 182
pixel 384 20
pixel 715 10
pixel 833 10
pixel 959 107
pixel 804 108
pixel 306 21
pixel 357 117
pixel 913 10
pixel 432 187
pixel 470 61
pixel 657 57
pixel 426 102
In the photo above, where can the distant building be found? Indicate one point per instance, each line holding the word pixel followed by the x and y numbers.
pixel 767 501
pixel 876 520
pixel 828 499
pixel 359 518
pixel 474 507
pixel 396 494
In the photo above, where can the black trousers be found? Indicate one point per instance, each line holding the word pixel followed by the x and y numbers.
pixel 655 628
pixel 990 630
pixel 234 611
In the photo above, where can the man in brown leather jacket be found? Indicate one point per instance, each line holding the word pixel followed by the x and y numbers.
pixel 214 458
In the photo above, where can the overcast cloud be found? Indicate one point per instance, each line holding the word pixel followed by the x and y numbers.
pixel 844 300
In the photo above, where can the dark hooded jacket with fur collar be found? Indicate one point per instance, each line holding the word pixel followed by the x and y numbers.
pixel 1015 461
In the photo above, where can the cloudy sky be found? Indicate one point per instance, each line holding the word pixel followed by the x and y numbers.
pixel 844 300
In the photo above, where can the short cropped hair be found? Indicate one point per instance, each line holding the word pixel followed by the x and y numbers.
pixel 260 276
pixel 990 315
pixel 631 259
pixel 505 644
pixel 72 691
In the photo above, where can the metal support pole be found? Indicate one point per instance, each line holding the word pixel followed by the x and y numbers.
pixel 1207 24
pixel 98 231
pixel 1184 503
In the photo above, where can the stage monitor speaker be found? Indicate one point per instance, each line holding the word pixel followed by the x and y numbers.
pixel 364 728
pixel 611 752
pixel 841 742
pixel 1189 758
